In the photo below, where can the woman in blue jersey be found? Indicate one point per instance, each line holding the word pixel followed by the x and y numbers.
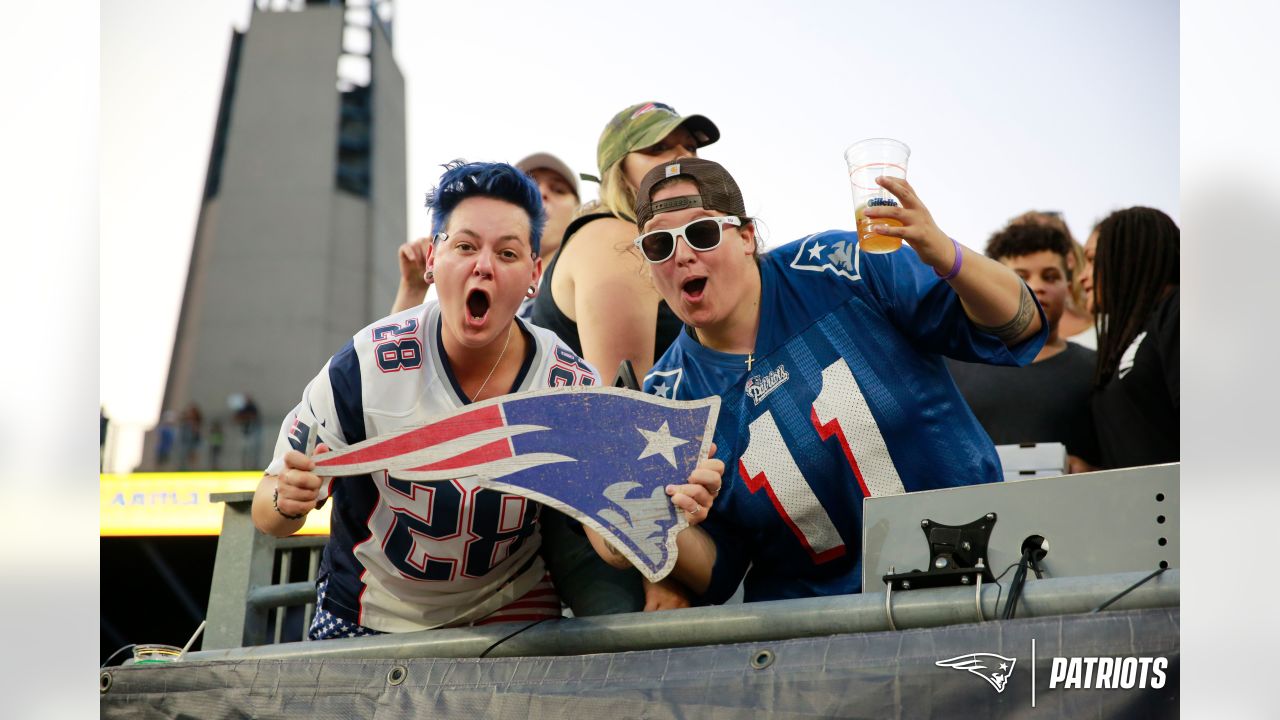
pixel 829 365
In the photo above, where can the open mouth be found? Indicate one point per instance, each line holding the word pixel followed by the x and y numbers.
pixel 692 289
pixel 477 305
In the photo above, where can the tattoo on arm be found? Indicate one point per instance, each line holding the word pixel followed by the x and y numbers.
pixel 1020 322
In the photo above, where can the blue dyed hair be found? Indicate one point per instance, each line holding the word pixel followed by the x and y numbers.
pixel 462 180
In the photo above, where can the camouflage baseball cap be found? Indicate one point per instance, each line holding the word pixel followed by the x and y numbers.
pixel 717 190
pixel 644 124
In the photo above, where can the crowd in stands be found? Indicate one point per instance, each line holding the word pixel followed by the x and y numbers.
pixel 184 442
pixel 902 376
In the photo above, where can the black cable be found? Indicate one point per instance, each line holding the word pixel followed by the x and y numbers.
pixel 1128 590
pixel 113 655
pixel 1016 586
pixel 996 582
pixel 526 627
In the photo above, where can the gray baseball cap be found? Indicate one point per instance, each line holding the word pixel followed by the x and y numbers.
pixel 550 162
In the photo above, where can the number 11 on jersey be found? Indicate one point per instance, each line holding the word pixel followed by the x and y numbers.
pixel 839 410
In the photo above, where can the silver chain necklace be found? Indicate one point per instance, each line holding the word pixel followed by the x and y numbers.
pixel 495 364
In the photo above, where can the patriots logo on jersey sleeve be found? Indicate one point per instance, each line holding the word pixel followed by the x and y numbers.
pixel 829 251
pixel 299 434
pixel 603 455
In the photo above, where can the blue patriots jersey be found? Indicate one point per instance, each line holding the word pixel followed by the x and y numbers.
pixel 847 397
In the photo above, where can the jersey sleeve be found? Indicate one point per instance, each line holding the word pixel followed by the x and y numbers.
pixel 331 410
pixel 733 555
pixel 928 311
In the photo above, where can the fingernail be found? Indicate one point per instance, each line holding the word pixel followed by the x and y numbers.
pixel 671 489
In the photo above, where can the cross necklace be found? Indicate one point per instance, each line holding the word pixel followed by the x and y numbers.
pixel 751 355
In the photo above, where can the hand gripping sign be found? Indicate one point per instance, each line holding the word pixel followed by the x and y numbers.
pixel 602 455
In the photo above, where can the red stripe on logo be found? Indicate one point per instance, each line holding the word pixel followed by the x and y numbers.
pixel 485 418
pixel 497 450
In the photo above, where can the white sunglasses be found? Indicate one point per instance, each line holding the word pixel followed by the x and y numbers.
pixel 702 235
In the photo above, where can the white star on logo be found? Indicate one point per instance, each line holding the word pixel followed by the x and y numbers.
pixel 660 442
pixel 815 252
pixel 662 390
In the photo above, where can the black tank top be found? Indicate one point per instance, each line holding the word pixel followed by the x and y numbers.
pixel 548 315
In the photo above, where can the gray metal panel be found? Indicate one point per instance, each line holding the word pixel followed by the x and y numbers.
pixel 1096 523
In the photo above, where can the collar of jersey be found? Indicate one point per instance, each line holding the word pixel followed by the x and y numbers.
pixel 530 352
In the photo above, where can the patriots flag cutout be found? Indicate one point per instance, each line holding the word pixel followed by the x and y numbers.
pixel 602 455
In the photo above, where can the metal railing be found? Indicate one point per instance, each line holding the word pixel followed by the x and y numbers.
pixel 749 622
pixel 252 589
pixel 244 595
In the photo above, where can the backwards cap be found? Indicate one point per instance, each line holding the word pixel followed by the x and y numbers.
pixel 717 189
pixel 644 124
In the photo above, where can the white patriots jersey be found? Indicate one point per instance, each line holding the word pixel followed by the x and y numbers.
pixel 406 556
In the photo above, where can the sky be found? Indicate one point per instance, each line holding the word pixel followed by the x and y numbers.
pixel 1007 107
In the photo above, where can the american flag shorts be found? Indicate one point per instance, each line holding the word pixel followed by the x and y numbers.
pixel 540 603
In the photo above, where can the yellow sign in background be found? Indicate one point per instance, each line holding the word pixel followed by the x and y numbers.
pixel 178 503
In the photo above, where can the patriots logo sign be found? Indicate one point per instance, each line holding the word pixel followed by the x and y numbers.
pixel 602 455
pixel 993 668
pixel 836 252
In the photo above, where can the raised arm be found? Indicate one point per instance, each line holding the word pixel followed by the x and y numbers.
pixel 993 296
pixel 412 258
pixel 614 303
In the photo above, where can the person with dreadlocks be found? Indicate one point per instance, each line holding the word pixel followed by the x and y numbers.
pixel 1131 279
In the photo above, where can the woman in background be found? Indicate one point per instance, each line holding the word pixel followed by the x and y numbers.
pixel 600 300
pixel 1131 274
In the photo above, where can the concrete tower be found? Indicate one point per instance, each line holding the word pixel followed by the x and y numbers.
pixel 303 209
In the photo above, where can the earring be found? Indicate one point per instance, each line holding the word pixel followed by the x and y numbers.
pixel 429 275
pixel 532 291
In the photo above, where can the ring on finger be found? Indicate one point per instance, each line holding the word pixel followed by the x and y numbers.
pixel 694 511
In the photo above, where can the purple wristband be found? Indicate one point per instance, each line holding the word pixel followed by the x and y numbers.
pixel 955 266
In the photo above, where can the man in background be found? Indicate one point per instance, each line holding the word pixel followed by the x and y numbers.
pixel 1048 400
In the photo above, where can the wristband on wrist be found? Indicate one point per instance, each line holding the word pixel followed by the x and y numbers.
pixel 275 498
pixel 955 266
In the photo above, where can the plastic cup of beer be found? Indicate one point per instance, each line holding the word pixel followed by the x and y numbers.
pixel 868 160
